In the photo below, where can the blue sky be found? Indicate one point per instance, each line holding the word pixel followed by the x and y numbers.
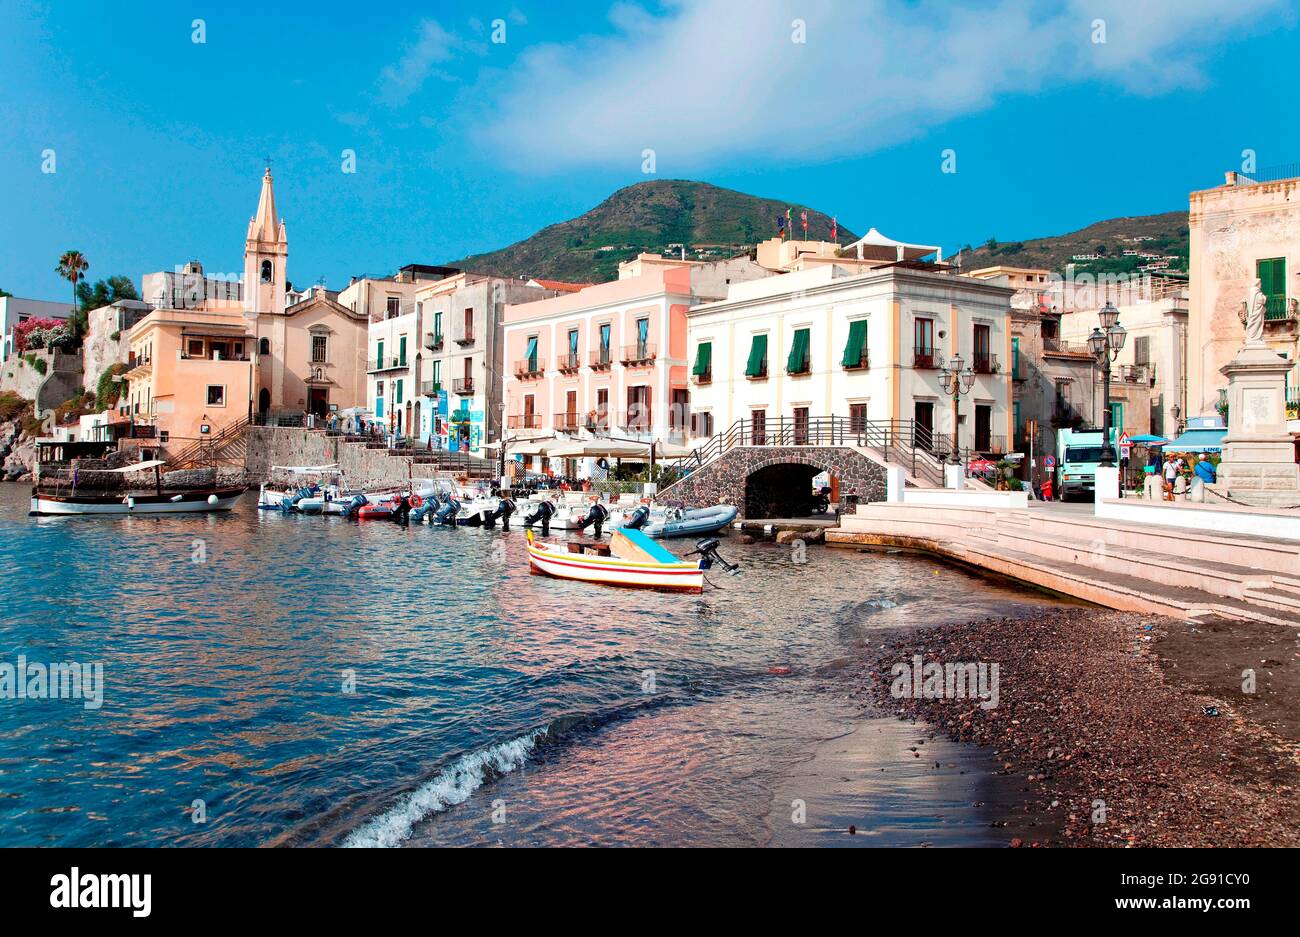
pixel 464 144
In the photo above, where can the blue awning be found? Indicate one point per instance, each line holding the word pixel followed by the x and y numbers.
pixel 1198 440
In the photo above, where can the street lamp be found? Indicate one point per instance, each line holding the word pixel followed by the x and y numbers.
pixel 1105 344
pixel 956 379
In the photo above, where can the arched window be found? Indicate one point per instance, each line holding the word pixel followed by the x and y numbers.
pixel 264 347
pixel 268 273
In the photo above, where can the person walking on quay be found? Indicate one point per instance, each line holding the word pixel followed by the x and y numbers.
pixel 1173 471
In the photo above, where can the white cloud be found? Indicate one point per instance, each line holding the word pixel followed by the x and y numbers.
pixel 433 46
pixel 714 79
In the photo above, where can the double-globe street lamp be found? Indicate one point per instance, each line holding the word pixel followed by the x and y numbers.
pixel 1105 343
pixel 956 379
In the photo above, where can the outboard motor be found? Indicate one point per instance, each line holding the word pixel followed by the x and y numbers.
pixel 505 508
pixel 707 551
pixel 354 505
pixel 596 515
pixel 638 518
pixel 447 513
pixel 543 513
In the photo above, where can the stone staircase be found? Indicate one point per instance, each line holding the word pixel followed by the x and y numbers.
pixel 1166 570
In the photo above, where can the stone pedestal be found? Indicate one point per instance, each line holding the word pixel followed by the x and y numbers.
pixel 1258 465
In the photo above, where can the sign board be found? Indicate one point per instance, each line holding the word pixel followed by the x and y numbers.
pixel 1049 461
pixel 1125 445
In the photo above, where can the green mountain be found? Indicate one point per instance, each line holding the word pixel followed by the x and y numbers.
pixel 1164 234
pixel 661 216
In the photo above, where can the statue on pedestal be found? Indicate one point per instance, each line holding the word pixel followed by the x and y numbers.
pixel 1253 313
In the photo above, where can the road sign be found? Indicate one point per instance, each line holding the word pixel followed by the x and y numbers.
pixel 1125 445
pixel 1049 461
pixel 1124 439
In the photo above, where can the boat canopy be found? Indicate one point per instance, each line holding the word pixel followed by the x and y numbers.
pixel 138 466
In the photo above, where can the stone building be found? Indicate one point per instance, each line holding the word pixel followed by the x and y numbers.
pixel 1245 229
pixel 107 340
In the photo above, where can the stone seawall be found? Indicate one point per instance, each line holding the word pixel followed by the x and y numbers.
pixel 363 468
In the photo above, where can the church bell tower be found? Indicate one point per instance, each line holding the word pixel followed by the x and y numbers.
pixel 266 252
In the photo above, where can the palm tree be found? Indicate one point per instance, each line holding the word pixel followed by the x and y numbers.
pixel 72 265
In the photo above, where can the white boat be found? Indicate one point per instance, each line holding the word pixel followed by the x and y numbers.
pixel 568 561
pixel 196 500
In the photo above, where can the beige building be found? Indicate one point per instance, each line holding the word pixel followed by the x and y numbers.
pixel 1240 231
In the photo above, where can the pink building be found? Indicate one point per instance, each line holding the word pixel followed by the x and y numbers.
pixel 609 360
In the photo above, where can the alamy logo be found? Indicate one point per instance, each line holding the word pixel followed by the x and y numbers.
pixel 945 681
pixel 103 891
pixel 65 680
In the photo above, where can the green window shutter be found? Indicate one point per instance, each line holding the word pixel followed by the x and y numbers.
pixel 401 351
pixel 1272 282
pixel 797 363
pixel 399 391
pixel 379 354
pixel 757 365
pixel 1015 358
pixel 703 359
pixel 856 349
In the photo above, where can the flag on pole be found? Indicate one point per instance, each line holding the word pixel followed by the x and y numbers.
pixel 789 222
pixel 803 217
pixel 835 230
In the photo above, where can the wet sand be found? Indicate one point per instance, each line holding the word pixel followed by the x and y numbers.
pixel 1123 729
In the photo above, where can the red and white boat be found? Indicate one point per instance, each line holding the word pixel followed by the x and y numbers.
pixel 572 560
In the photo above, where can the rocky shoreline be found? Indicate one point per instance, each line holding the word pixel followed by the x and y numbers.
pixel 1117 742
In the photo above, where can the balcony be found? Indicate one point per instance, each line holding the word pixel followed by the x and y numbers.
pixel 463 386
pixel 430 388
pixel 524 421
pixel 600 360
pixel 386 363
pixel 1135 373
pixel 1054 346
pixel 984 363
pixel 566 422
pixel 636 423
pixel 528 368
pixel 569 364
pixel 990 445
pixel 1280 309
pixel 925 359
pixel 759 375
pixel 638 355
pixel 705 378
pixel 863 362
pixel 465 338
pixel 433 342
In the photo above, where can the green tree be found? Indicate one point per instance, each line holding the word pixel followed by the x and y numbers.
pixel 104 293
pixel 72 267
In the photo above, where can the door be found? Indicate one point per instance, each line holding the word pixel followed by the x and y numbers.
pixel 571 410
pixel 983 428
pixel 758 427
pixel 320 401
pixel 602 409
pixel 681 407
pixel 530 420
pixel 801 426
pixel 923 424
pixel 263 401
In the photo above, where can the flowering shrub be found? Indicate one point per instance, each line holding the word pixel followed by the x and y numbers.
pixel 41 332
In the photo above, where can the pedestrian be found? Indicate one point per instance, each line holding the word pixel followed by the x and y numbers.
pixel 1206 471
pixel 1172 472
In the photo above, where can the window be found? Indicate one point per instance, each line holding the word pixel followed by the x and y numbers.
pixel 855 350
pixel 194 348
pixel 756 367
pixel 379 388
pixel 1272 282
pixel 642 337
pixel 1015 358
pixel 531 354
pixel 379 353
pixel 264 347
pixel 680 407
pixel 702 424
pixel 572 360
pixel 799 360
pixel 923 343
pixel 469 323
pixel 604 343
pixel 1142 349
pixel 857 417
pixel 983 359
pixel 397 391
pixel 703 369
pixel 318 348
pixel 638 407
pixel 268 271
pixel 758 427
pixel 401 351
pixel 437 327
pixel 801 426
pixel 437 373
pixel 602 408
pixel 394 307
pixel 216 395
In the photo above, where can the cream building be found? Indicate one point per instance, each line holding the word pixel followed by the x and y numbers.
pixel 866 343
pixel 1240 231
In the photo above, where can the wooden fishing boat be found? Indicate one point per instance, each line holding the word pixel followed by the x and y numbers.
pixel 589 561
pixel 195 500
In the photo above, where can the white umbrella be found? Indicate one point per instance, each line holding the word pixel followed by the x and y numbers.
pixel 527 448
pixel 597 448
